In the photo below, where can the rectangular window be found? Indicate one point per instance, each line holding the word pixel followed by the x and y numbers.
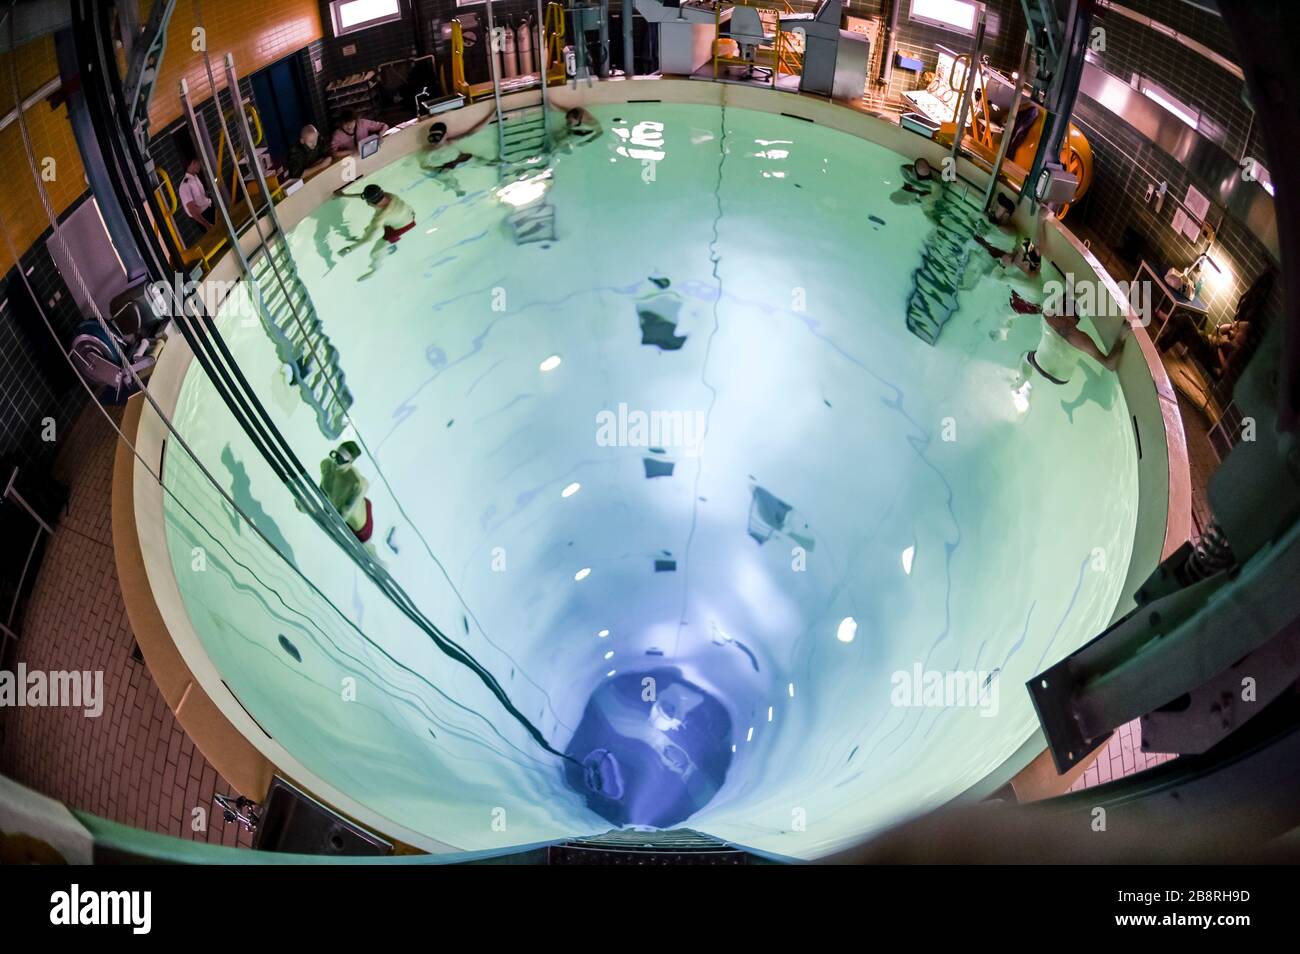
pixel 958 15
pixel 349 16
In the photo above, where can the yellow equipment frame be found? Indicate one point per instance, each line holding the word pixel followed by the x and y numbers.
pixel 207 248
pixel 553 47
pixel 784 54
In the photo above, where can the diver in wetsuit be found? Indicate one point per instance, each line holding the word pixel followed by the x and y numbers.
pixel 1061 341
pixel 442 172
pixel 346 490
pixel 392 216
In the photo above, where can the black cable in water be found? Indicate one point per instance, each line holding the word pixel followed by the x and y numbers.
pixel 341 532
pixel 715 260
pixel 264 436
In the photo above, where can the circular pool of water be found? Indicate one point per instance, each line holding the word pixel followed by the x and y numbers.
pixel 760 561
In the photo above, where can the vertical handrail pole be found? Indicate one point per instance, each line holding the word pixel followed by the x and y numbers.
pixel 971 66
pixel 545 68
pixel 496 83
pixel 246 135
pixel 629 61
pixel 1010 126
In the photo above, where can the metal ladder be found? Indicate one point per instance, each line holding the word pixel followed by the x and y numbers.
pixel 290 318
pixel 282 299
pixel 524 142
pixel 145 57
pixel 947 251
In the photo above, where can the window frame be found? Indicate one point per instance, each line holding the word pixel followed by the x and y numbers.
pixel 975 6
pixel 339 31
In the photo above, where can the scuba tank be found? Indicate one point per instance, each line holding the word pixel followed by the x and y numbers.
pixel 495 38
pixel 524 45
pixel 509 68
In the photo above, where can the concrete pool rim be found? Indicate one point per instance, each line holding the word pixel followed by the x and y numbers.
pixel 227 733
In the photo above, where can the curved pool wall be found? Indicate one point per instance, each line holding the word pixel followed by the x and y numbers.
pixel 488 786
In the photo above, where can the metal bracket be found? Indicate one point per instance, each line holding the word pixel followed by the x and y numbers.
pixel 1198 720
pixel 1165 648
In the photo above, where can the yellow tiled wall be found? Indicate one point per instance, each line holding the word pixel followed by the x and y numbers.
pixel 258 32
pixel 20 204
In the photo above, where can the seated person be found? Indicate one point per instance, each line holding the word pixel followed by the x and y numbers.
pixel 1226 339
pixel 194 197
pixel 310 155
pixel 346 140
pixel 392 215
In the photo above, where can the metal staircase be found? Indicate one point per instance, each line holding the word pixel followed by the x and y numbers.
pixel 947 252
pixel 523 139
pixel 524 143
pixel 271 275
pixel 290 318
pixel 145 57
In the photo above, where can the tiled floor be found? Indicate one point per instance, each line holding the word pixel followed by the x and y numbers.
pixel 1122 756
pixel 133 763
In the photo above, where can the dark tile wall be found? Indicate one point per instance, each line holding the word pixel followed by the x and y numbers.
pixel 1132 47
pixel 371 47
pixel 35 381
pixel 1126 163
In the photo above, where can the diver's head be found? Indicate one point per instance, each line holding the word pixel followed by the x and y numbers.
pixel 437 132
pixel 345 453
pixel 923 169
pixel 373 194
pixel 1033 258
pixel 574 116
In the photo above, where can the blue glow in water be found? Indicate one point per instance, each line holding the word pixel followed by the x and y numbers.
pixel 652 749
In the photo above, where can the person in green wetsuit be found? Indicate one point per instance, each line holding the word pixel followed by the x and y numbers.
pixel 346 489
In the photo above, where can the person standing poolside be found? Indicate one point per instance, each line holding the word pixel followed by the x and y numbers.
pixel 392 219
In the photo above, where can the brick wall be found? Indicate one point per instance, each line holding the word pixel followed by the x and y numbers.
pixel 258 32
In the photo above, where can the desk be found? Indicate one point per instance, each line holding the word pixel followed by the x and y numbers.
pixel 1175 300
